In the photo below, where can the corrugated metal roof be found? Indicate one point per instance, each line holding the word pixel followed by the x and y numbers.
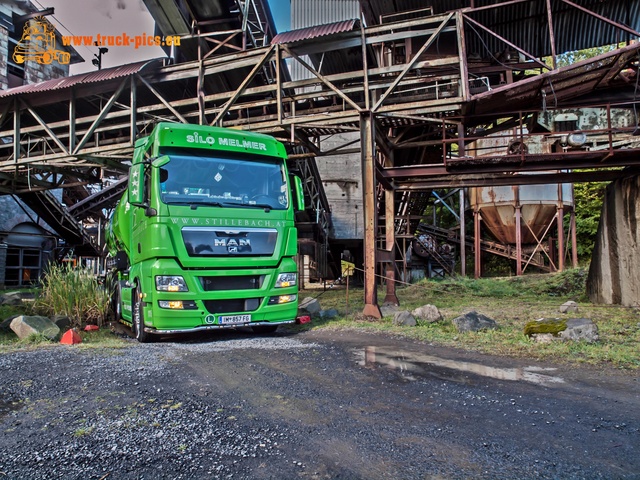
pixel 315 32
pixel 558 86
pixel 82 78
pixel 525 24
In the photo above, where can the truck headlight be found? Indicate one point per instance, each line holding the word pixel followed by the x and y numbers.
pixel 282 299
pixel 171 283
pixel 286 280
pixel 178 304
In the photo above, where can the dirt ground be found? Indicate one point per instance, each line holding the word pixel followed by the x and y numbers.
pixel 319 405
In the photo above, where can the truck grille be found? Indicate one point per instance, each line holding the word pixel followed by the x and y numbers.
pixel 232 305
pixel 243 282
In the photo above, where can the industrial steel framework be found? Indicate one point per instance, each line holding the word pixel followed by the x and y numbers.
pixel 407 84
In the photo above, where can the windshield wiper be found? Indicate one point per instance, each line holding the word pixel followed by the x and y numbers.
pixel 195 205
pixel 266 206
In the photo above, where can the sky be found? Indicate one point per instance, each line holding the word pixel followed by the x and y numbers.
pixel 118 17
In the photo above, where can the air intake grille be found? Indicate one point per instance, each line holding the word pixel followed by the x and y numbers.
pixel 243 282
pixel 235 305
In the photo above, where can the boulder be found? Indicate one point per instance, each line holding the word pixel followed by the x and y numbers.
pixel 5 326
pixel 11 299
pixel 580 329
pixel 545 330
pixel 544 337
pixel 473 322
pixel 404 318
pixel 331 313
pixel 309 305
pixel 428 314
pixel 389 310
pixel 545 326
pixel 24 326
pixel 62 321
pixel 569 307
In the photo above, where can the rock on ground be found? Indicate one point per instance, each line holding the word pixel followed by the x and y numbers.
pixel 569 307
pixel 331 313
pixel 309 305
pixel 404 318
pixel 580 329
pixel 11 298
pixel 546 330
pixel 25 326
pixel 428 313
pixel 389 310
pixel 473 322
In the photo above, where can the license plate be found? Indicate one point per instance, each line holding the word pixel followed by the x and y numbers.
pixel 234 319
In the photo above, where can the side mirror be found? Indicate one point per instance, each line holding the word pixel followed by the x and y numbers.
pixel 136 185
pixel 299 193
pixel 160 161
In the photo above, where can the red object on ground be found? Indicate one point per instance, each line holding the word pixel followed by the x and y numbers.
pixel 89 328
pixel 303 319
pixel 70 337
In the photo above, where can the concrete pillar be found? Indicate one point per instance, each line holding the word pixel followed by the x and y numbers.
pixel 614 273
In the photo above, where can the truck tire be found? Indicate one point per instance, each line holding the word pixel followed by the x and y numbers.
pixel 116 298
pixel 137 323
pixel 264 328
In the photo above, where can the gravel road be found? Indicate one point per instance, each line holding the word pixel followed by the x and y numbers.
pixel 317 405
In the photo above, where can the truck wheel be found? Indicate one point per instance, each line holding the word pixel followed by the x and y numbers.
pixel 264 328
pixel 116 299
pixel 137 325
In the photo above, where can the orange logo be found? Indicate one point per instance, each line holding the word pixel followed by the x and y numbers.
pixel 38 43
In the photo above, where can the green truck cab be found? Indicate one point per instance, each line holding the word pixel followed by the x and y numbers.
pixel 204 236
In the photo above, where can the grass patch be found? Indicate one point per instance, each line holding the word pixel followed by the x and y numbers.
pixel 73 292
pixel 512 302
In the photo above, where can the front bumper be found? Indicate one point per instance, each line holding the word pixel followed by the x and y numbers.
pixel 206 328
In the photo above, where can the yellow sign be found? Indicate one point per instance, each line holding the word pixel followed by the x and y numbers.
pixel 347 268
pixel 38 43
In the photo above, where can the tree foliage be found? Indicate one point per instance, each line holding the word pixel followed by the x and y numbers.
pixel 588 200
pixel 570 58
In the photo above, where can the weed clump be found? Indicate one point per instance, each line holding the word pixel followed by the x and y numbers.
pixel 75 293
pixel 570 283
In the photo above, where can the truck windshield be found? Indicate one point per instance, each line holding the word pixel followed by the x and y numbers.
pixel 224 181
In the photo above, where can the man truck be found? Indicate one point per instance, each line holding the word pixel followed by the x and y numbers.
pixel 204 236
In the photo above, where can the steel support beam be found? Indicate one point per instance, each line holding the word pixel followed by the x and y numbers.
pixel 267 55
pixel 463 236
pixel 367 125
pixel 574 238
pixel 518 240
pixel 412 62
pixel 476 242
pixel 390 246
pixel 101 116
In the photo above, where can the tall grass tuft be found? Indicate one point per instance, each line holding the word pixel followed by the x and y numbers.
pixel 75 293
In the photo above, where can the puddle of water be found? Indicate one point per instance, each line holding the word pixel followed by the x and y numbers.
pixel 410 364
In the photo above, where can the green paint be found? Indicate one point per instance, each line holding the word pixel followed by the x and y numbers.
pixel 207 220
